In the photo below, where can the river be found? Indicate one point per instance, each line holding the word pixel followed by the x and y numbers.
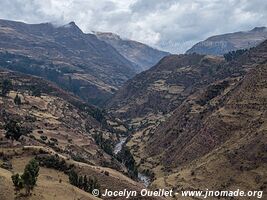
pixel 119 145
pixel 142 178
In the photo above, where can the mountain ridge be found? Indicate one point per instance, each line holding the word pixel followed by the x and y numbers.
pixel 66 49
pixel 141 54
pixel 224 43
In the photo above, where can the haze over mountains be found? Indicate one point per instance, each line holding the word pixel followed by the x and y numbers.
pixel 184 122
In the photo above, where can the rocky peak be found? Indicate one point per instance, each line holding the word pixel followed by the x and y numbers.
pixel 72 26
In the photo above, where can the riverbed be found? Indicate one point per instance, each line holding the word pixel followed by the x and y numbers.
pixel 141 177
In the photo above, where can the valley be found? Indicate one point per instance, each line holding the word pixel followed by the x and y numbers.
pixel 98 112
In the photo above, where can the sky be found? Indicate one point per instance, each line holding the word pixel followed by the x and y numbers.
pixel 171 25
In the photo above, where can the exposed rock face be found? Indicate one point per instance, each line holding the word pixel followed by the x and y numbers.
pixel 221 44
pixel 142 55
pixel 80 62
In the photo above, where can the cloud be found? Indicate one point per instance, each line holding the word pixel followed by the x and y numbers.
pixel 173 25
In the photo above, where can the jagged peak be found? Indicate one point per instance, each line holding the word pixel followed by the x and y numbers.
pixel 72 25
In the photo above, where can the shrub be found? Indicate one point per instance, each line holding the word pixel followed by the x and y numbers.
pixel 13 130
pixel 53 161
pixel 53 140
pixel 32 137
pixel 17 100
pixel 43 137
pixel 106 173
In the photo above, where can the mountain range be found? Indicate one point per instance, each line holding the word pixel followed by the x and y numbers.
pixel 81 63
pixel 222 44
pixel 128 116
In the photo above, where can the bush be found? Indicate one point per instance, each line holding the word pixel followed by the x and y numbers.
pixel 13 130
pixel 17 100
pixel 43 137
pixel 53 140
pixel 54 162
pixel 32 137
pixel 106 173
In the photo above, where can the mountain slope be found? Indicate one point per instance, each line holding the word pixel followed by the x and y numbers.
pixel 80 62
pixel 55 114
pixel 231 136
pixel 222 44
pixel 59 126
pixel 159 90
pixel 142 55
pixel 216 138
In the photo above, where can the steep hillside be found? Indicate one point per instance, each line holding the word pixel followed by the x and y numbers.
pixel 228 132
pixel 59 130
pixel 162 88
pixel 79 62
pixel 54 183
pixel 216 138
pixel 52 117
pixel 142 55
pixel 159 90
pixel 222 44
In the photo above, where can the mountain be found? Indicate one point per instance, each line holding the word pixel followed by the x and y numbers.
pixel 222 44
pixel 80 62
pixel 140 54
pixel 210 132
pixel 217 136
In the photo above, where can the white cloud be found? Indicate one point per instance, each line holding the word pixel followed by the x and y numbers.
pixel 173 25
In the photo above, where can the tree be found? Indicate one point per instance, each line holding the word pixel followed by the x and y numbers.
pixel 13 130
pixel 93 184
pixel 73 177
pixel 30 175
pixel 6 87
pixel 17 100
pixel 17 182
pixel 80 182
pixel 85 184
pixel 28 179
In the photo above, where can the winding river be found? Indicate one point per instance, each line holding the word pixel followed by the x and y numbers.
pixel 142 178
